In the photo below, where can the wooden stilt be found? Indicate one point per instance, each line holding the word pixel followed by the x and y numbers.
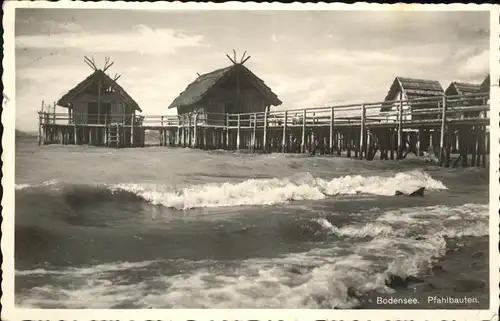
pixel 303 141
pixel 284 138
pixel 195 131
pixel 332 122
pixel 238 133
pixel 443 132
pixel 362 131
pixel 400 128
pixel 264 138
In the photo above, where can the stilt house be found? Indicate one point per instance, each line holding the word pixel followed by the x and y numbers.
pixel 462 89
pixel 233 89
pixel 410 88
pixel 98 99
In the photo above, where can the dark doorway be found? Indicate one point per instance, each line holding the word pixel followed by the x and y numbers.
pixel 92 111
pixel 105 113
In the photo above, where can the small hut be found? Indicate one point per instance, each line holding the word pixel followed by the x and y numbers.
pixel 98 99
pixel 233 89
pixel 410 88
pixel 457 88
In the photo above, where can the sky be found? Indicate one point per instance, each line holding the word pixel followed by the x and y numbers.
pixel 308 58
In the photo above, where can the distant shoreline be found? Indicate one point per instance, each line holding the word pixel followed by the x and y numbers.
pixel 20 133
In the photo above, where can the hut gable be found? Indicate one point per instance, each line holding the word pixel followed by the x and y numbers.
pixel 412 88
pixel 485 85
pixel 93 79
pixel 203 85
pixel 461 88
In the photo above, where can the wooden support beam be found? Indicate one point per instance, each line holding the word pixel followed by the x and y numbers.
pixel 189 131
pixel 195 131
pixel 75 134
pixel 264 138
pixel 132 121
pixel 226 145
pixel 39 128
pixel 285 136
pixel 332 121
pixel 400 127
pixel 106 129
pixel 254 130
pixel 205 138
pixel 368 155
pixel 419 141
pixel 448 144
pixel 483 146
pixel 473 145
pixel 303 142
pixel 238 133
pixel 443 132
pixel 362 132
pixel 348 143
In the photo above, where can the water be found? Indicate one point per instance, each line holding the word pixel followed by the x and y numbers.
pixel 179 228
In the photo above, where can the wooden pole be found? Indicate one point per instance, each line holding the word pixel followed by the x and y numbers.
pixel 106 130
pixel 162 134
pixel 75 133
pixel 285 121
pixel 443 130
pixel 39 128
pixel 400 127
pixel 205 138
pixel 195 131
pixel 189 139
pixel 227 132
pixel 332 119
pixel 303 142
pixel 362 132
pixel 368 154
pixel 254 131
pixel 348 143
pixel 238 133
pixel 54 113
pixel 132 121
pixel 264 138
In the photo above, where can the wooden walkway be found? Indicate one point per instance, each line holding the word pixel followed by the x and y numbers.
pixel 456 128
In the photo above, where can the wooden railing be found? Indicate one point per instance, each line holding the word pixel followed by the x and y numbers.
pixel 432 110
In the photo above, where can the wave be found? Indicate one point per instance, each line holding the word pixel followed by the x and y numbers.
pixel 401 243
pixel 452 222
pixel 302 186
pixel 49 183
pixel 320 278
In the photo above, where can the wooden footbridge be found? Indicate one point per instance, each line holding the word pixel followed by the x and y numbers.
pixel 455 128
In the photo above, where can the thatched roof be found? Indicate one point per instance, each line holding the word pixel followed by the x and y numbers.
pixel 485 85
pixel 413 88
pixel 462 88
pixel 97 75
pixel 199 88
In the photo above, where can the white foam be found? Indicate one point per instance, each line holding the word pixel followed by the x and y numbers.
pixel 278 191
pixel 319 278
pixel 22 186
pixel 51 183
pixel 453 222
